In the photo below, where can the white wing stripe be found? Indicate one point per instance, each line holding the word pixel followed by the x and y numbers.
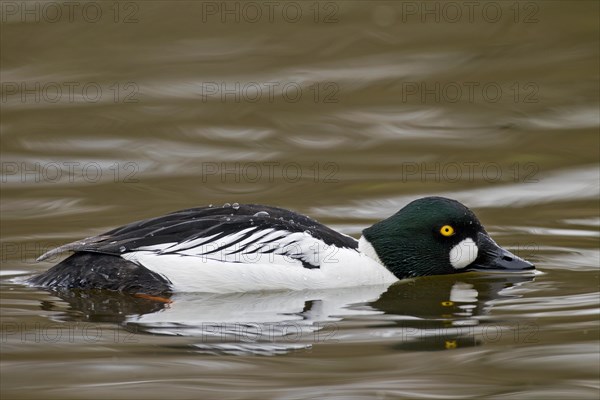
pixel 198 242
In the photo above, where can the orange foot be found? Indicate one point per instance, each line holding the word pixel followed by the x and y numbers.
pixel 153 298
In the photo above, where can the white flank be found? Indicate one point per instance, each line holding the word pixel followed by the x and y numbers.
pixel 463 254
pixel 239 269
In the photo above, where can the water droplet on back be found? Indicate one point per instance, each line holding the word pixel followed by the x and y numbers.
pixel 226 205
pixel 261 214
pixel 236 206
pixel 122 249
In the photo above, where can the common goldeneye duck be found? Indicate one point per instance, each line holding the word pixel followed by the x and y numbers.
pixel 253 247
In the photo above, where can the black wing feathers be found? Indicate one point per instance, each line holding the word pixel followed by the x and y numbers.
pixel 193 223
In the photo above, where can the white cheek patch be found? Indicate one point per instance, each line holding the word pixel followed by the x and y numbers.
pixel 463 253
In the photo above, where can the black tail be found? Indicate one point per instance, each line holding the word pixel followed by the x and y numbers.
pixel 101 271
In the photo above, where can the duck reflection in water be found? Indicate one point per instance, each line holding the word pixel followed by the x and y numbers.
pixel 436 313
pixel 428 313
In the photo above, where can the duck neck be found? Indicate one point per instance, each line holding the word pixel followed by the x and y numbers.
pixel 365 247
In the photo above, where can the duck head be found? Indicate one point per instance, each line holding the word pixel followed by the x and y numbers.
pixel 436 236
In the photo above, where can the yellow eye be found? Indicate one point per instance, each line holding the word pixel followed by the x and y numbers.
pixel 447 230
